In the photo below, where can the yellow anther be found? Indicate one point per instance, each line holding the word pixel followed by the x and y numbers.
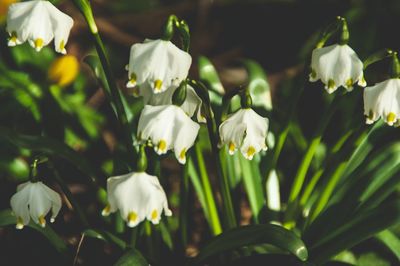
pixel 38 43
pixel 13 37
pixel 42 221
pixel 182 155
pixel 313 74
pixel 20 223
pixel 250 152
pixel 132 217
pixel 349 83
pixel 331 84
pixel 371 115
pixel 157 85
pixel 231 147
pixel 162 146
pixel 132 78
pixel 106 210
pixel 154 215
pixel 62 46
pixel 391 117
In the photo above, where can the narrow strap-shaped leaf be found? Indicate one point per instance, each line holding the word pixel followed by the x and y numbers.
pixel 360 228
pixel 252 235
pixel 258 84
pixel 105 236
pixel 51 147
pixel 7 218
pixel 366 188
pixel 391 241
pixel 132 258
pixel 209 75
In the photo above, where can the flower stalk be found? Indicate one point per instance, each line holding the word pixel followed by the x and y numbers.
pixel 229 213
pixel 116 97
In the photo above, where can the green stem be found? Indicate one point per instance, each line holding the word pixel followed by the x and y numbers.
pixel 134 236
pixel 210 201
pixel 223 179
pixel 327 192
pixel 183 206
pixel 116 97
pixel 69 196
pixel 229 213
pixel 307 158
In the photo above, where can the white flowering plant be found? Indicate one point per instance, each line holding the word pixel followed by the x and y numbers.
pixel 170 162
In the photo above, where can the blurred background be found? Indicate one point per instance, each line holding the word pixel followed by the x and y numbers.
pixel 36 101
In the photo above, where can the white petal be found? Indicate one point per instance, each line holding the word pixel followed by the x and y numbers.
pixel 158 62
pixel 55 201
pixel 185 134
pixel 39 203
pixel 61 26
pixel 19 203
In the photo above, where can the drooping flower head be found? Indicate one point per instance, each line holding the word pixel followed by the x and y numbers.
pixel 158 63
pixel 191 105
pixel 34 200
pixel 245 129
pixel 38 22
pixel 337 65
pixel 168 127
pixel 383 100
pixel 137 196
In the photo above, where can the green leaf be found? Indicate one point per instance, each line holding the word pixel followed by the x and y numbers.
pixel 258 85
pixel 360 227
pixel 378 131
pixel 208 74
pixel 106 237
pixel 51 147
pixel 252 235
pixel 375 179
pixel 7 218
pixel 132 258
pixel 391 241
pixel 95 64
pixel 254 187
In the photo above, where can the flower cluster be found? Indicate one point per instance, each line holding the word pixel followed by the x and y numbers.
pixel 170 120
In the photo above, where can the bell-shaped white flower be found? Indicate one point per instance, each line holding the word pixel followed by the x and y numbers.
pixel 168 127
pixel 383 100
pixel 34 199
pixel 137 196
pixel 245 129
pixel 38 22
pixel 158 63
pixel 191 105
pixel 337 65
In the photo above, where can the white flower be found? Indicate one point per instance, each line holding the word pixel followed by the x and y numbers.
pixel 336 65
pixel 34 199
pixel 38 22
pixel 168 127
pixel 245 129
pixel 383 100
pixel 158 63
pixel 137 196
pixel 191 105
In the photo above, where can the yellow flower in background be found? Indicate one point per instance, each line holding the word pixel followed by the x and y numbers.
pixel 63 70
pixel 4 4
